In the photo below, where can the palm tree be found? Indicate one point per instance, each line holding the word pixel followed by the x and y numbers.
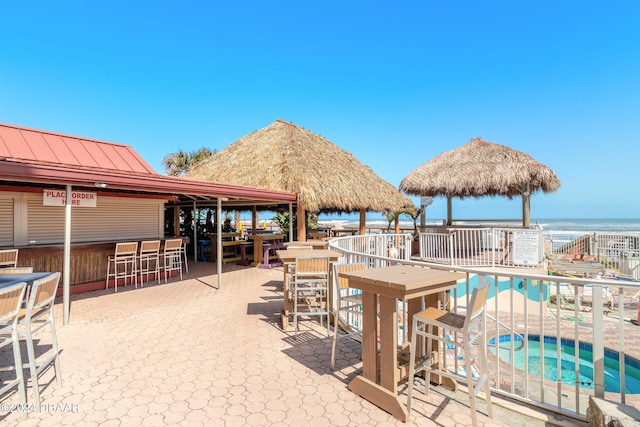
pixel 392 216
pixel 181 162
pixel 410 211
pixel 414 213
pixel 175 163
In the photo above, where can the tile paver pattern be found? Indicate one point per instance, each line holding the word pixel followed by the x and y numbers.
pixel 185 353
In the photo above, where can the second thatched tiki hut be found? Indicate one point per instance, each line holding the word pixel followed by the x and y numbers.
pixel 480 168
pixel 326 178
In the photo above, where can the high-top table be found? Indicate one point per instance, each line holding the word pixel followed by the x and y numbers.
pixel 268 248
pixel 420 287
pixel 7 280
pixel 315 243
pixel 258 241
pixel 289 257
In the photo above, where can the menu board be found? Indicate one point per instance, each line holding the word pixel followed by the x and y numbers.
pixel 525 247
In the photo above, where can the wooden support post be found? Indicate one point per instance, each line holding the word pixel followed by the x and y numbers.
pixel 302 226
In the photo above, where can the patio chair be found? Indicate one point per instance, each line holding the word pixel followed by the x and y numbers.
pixel 607 295
pixel 347 312
pixel 124 261
pixel 172 257
pixel 291 268
pixel 566 292
pixel 466 329
pixel 184 256
pixel 149 260
pixel 37 315
pixel 10 301
pixel 8 258
pixel 311 289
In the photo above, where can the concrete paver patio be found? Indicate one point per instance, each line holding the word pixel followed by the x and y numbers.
pixel 185 353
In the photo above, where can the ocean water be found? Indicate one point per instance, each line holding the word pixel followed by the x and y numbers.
pixel 547 224
pixel 590 224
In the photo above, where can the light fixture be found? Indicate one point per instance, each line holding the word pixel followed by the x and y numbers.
pixel 101 184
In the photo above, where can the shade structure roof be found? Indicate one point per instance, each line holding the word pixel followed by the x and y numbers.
pixel 286 157
pixel 480 168
pixel 37 157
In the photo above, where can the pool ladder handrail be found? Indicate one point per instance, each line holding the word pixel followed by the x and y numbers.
pixel 508 328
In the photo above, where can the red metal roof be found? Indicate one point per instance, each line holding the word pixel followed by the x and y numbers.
pixel 41 157
pixel 43 147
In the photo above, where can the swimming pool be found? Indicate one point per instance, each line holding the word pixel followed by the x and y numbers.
pixel 567 365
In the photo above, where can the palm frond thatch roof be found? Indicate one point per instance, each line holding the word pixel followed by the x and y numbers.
pixel 480 168
pixel 285 157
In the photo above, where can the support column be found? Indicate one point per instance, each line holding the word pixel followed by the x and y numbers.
pixel 219 242
pixel 291 222
pixel 302 226
pixel 254 219
pixel 195 233
pixel 176 221
pixel 363 222
pixel 67 259
pixel 526 207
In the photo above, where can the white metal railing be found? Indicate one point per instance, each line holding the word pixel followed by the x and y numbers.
pixel 483 247
pixel 513 247
pixel 525 310
pixel 619 252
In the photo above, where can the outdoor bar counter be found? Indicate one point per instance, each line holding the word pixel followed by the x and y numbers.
pixel 88 262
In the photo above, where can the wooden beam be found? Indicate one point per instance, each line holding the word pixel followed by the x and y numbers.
pixel 302 226
pixel 363 222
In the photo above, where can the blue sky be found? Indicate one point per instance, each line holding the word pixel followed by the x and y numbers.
pixel 394 83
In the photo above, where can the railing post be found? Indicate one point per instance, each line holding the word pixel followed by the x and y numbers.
pixel 598 342
pixel 494 245
pixel 450 248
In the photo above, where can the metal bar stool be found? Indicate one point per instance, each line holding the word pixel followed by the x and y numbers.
pixel 149 260
pixel 172 257
pixel 469 327
pixel 37 315
pixel 125 263
pixel 347 312
pixel 11 298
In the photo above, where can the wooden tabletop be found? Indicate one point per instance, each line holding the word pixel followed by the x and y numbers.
pixel 287 256
pixel 401 281
pixel 316 243
pixel 260 237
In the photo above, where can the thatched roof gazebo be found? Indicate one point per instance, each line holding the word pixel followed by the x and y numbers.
pixel 480 168
pixel 287 157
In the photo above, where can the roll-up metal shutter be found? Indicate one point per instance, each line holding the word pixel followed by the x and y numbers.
pixel 114 218
pixel 6 221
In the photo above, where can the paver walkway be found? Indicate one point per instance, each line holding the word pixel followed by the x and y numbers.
pixel 185 353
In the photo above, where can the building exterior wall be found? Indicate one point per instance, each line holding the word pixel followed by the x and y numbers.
pixel 25 221
pixel 38 231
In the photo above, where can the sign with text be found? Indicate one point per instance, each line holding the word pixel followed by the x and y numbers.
pixel 525 247
pixel 81 199
pixel 425 200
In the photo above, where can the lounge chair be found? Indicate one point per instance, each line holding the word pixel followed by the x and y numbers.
pixel 565 290
pixel 607 295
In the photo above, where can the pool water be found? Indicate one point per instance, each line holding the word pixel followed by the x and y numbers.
pixel 567 371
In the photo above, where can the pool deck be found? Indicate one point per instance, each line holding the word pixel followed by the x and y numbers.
pixel 186 353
